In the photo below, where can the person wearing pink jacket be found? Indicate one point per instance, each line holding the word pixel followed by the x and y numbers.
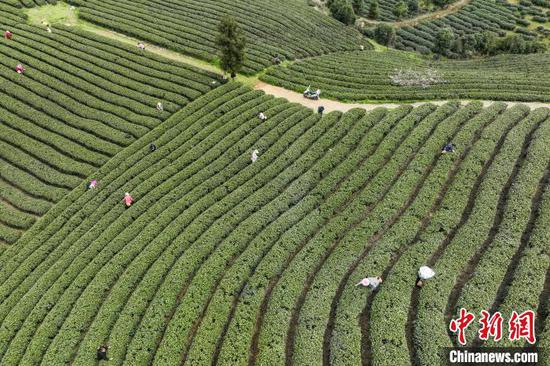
pixel 92 184
pixel 128 200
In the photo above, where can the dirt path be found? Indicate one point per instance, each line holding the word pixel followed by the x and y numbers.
pixel 427 16
pixel 333 105
pixel 64 14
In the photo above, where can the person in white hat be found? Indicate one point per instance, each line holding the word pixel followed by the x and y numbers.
pixel 424 273
pixel 372 282
pixel 255 155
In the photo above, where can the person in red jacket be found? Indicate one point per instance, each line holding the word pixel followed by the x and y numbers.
pixel 19 68
pixel 128 200
pixel 8 34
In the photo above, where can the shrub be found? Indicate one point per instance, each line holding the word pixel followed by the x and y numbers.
pixel 384 34
pixel 342 11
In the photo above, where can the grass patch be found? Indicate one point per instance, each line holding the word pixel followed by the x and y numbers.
pixel 67 15
pixel 61 13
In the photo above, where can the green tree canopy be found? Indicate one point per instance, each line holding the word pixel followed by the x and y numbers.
pixel 358 7
pixel 374 9
pixel 444 40
pixel 231 43
pixel 384 34
pixel 400 9
pixel 342 10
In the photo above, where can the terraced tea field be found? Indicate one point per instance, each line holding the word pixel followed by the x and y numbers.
pixel 367 75
pixel 247 238
pixel 289 29
pixel 80 101
pixel 225 261
pixel 496 16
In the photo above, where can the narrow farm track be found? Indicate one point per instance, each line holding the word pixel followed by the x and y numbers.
pixel 449 9
pixel 225 259
pixel 333 105
pixel 446 173
pixel 75 107
pixel 468 271
pixel 469 205
pixel 411 196
pixel 288 216
pixel 504 286
pixel 433 299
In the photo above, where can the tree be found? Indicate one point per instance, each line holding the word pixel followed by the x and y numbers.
pixel 444 40
pixel 374 9
pixel 413 7
pixel 384 34
pixel 231 43
pixel 358 7
pixel 343 11
pixel 513 43
pixel 400 9
pixel 441 3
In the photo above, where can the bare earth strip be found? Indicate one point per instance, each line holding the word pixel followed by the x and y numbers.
pixel 333 105
pixel 453 8
pixel 69 17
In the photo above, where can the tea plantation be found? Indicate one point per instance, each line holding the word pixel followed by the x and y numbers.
pixel 373 75
pixel 79 102
pixel 246 238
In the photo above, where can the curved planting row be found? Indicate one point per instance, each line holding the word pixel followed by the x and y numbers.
pixel 372 75
pixel 17 4
pixel 343 337
pixel 478 16
pixel 496 264
pixel 464 240
pixel 79 102
pixel 408 190
pixel 289 29
pixel 249 304
pixel 222 260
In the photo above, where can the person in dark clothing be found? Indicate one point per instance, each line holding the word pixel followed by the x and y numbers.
pixel 102 353
pixel 449 148
pixel 277 60
pixel 320 109
pixel 152 147
pixel 233 75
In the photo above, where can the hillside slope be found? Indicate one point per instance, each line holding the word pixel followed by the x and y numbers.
pixel 80 101
pixel 224 261
pixel 358 76
pixel 272 27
